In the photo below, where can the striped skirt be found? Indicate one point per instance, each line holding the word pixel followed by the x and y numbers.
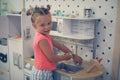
pixel 41 74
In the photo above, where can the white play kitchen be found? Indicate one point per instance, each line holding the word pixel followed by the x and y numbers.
pixel 79 27
pixel 19 45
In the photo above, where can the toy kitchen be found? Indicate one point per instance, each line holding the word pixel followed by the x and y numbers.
pixel 19 36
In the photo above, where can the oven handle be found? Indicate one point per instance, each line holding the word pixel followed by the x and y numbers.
pixel 20 62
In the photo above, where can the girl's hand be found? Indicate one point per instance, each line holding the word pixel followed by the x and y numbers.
pixel 77 59
pixel 67 56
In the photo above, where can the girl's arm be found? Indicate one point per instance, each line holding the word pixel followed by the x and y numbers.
pixel 60 46
pixel 44 45
pixel 76 58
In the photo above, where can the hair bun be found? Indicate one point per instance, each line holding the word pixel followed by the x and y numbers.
pixel 30 11
pixel 48 7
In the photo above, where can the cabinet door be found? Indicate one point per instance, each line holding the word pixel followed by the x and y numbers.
pixel 65 78
pixel 4 75
pixel 58 76
pixel 16 59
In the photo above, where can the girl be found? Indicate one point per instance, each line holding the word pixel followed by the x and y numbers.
pixel 44 57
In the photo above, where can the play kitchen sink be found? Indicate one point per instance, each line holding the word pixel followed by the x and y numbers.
pixel 70 71
pixel 69 68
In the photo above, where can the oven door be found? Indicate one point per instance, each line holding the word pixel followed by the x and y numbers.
pixel 4 57
pixel 4 75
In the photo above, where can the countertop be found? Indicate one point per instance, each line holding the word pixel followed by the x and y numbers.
pixel 82 74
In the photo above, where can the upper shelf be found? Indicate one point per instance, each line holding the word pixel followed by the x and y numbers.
pixel 72 36
pixel 76 18
pixel 75 28
pixel 11 14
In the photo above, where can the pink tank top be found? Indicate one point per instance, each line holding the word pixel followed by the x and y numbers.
pixel 41 62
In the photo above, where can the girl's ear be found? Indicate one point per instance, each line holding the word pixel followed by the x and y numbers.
pixel 34 25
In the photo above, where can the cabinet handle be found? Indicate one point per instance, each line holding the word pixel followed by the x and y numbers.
pixel 20 62
pixel 24 32
pixel 15 58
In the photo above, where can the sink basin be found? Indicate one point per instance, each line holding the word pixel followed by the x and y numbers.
pixel 69 68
